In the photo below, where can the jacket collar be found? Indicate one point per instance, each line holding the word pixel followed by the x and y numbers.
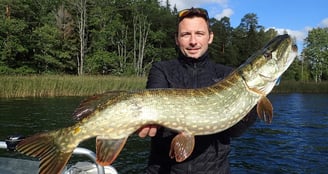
pixel 191 61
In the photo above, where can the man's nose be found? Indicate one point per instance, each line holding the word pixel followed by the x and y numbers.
pixel 193 40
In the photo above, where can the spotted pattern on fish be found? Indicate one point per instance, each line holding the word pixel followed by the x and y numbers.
pixel 113 116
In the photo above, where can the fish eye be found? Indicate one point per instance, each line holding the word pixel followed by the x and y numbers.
pixel 267 55
pixel 294 47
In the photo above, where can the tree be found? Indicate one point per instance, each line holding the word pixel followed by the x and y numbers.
pixel 13 48
pixel 64 22
pixel 80 8
pixel 141 29
pixel 248 35
pixel 316 53
pixel 222 49
pixel 122 38
pixel 108 39
pixel 46 41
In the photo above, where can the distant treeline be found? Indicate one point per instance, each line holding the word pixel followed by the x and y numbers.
pixel 125 37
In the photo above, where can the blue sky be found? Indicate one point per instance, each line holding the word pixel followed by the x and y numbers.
pixel 295 17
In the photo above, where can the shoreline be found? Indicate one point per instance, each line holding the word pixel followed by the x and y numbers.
pixel 66 85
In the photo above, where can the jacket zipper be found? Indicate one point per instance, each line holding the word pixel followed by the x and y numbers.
pixel 194 75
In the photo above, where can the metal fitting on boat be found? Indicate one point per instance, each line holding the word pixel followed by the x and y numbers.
pixel 12 141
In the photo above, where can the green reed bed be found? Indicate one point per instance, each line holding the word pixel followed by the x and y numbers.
pixel 301 87
pixel 41 86
pixel 56 85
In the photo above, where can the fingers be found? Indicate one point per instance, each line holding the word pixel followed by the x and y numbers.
pixel 152 131
pixel 147 130
pixel 143 132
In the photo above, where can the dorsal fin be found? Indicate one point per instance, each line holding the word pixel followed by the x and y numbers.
pixel 90 104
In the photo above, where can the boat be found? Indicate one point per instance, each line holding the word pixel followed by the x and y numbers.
pixel 10 165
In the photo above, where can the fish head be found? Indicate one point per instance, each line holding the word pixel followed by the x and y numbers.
pixel 263 69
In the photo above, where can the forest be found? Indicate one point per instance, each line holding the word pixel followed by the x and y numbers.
pixel 123 38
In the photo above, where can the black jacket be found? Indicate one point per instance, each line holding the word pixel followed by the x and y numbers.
pixel 210 154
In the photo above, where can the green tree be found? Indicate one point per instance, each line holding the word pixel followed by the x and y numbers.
pixel 116 37
pixel 13 47
pixel 248 36
pixel 316 53
pixel 222 48
pixel 107 37
pixel 50 55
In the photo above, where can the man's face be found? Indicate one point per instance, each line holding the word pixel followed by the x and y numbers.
pixel 193 37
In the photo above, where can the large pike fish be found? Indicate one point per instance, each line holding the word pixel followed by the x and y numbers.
pixel 113 116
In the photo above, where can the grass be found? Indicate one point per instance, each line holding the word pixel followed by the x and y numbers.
pixel 301 87
pixel 55 85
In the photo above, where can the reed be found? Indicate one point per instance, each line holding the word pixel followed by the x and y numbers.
pixel 301 87
pixel 56 85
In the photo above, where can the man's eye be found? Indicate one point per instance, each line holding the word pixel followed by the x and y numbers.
pixel 200 34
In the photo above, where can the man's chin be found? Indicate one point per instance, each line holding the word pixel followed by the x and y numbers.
pixel 194 56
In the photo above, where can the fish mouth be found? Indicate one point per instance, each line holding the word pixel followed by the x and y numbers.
pixel 267 78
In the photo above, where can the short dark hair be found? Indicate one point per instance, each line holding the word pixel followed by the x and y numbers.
pixel 193 12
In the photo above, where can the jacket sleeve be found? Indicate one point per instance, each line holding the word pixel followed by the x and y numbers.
pixel 156 77
pixel 239 128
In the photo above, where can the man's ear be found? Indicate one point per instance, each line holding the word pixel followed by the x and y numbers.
pixel 210 40
pixel 176 39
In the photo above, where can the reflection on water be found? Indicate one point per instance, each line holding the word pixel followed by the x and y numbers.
pixel 295 142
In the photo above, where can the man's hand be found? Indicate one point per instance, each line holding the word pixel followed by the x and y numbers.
pixel 149 130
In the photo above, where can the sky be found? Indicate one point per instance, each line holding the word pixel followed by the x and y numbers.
pixel 295 17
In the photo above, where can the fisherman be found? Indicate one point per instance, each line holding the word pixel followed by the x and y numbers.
pixel 192 69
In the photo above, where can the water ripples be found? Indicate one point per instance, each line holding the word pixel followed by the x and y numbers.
pixel 295 142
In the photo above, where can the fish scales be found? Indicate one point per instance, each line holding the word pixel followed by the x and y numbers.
pixel 113 116
pixel 151 107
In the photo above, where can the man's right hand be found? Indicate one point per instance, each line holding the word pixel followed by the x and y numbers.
pixel 149 130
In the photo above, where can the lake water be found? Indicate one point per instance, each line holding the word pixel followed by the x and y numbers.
pixel 295 142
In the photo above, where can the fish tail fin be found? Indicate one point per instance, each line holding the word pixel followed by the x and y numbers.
pixel 43 146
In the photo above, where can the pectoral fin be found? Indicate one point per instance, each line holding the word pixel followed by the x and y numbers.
pixel 108 149
pixel 265 110
pixel 182 146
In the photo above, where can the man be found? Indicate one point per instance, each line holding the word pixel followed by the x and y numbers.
pixel 192 69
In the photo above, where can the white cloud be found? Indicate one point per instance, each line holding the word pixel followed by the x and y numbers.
pixel 299 35
pixel 225 13
pixel 308 28
pixel 324 23
pixel 217 8
pixel 183 4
